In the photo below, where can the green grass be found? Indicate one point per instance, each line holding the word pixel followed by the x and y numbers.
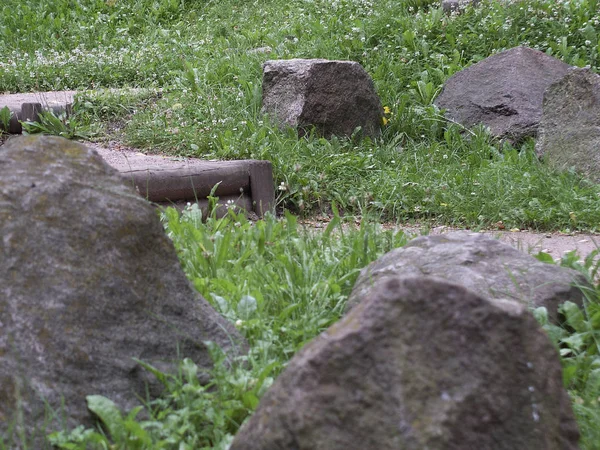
pixel 198 53
pixel 203 99
pixel 578 341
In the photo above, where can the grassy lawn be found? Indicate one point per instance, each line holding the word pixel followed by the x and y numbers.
pixel 199 53
pixel 204 94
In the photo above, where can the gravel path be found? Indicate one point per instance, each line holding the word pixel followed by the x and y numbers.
pixel 555 244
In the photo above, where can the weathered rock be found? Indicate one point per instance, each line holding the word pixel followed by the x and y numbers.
pixel 88 281
pixel 503 92
pixel 333 97
pixel 419 364
pixel 480 263
pixel 569 133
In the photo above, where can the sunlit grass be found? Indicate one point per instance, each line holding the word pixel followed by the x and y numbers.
pixel 200 55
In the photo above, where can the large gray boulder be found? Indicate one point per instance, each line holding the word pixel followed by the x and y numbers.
pixel 333 97
pixel 480 263
pixel 420 364
pixel 88 281
pixel 503 92
pixel 569 133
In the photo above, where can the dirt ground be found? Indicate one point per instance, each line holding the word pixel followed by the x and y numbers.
pixel 555 244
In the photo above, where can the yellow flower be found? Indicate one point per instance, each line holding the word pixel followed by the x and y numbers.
pixel 387 110
pixel 384 120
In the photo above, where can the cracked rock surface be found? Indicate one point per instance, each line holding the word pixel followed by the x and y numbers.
pixel 503 92
pixel 420 363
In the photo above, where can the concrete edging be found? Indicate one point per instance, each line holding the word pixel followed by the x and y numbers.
pixel 26 107
pixel 246 184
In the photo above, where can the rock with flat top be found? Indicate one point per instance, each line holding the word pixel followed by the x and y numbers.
pixel 481 264
pixel 89 282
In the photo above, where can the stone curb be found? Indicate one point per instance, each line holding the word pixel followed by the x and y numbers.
pixel 246 184
pixel 26 107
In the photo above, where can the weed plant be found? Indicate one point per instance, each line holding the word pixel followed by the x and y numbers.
pixel 578 342
pixel 5 116
pixel 61 125
pixel 282 284
pixel 200 53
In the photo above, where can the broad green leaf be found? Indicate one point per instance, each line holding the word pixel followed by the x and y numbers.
pixel 222 304
pixel 566 352
pixel 190 371
pixel 575 342
pixel 291 221
pixel 137 437
pixel 108 413
pixel 334 222
pixel 250 400
pixel 5 115
pixel 545 258
pixel 595 321
pixel 569 373
pixel 246 307
pixel 574 316
pixel 541 315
